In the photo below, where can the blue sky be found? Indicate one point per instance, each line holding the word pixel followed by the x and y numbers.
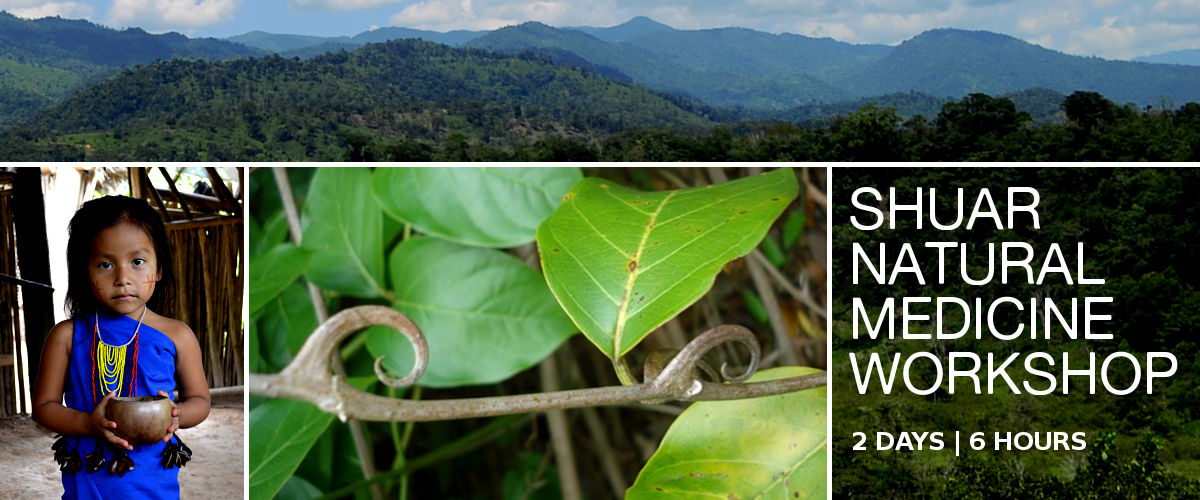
pixel 1114 29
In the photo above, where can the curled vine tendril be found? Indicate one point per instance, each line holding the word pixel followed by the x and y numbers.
pixel 308 377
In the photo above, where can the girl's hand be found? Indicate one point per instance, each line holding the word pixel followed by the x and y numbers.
pixel 174 417
pixel 103 426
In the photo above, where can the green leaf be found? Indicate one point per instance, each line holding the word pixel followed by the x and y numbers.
pixel 622 262
pixel 531 477
pixel 793 225
pixel 485 314
pixel 770 448
pixel 281 432
pixel 772 252
pixel 254 360
pixel 755 306
pixel 274 271
pixel 296 488
pixel 272 233
pixel 285 323
pixel 488 207
pixel 345 233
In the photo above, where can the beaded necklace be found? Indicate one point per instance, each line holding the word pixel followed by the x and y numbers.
pixel 108 361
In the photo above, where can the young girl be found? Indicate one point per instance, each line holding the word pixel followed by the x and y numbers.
pixel 115 344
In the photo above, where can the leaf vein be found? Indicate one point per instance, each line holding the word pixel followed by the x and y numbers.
pixel 597 231
pixel 583 266
pixel 623 308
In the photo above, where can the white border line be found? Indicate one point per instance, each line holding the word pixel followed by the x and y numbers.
pixel 829 203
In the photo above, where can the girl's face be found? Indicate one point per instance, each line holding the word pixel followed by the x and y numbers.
pixel 123 268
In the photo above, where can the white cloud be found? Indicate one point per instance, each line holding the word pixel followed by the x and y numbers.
pixel 1049 21
pixel 156 14
pixel 339 4
pixel 1123 41
pixel 19 4
pixel 38 10
pixel 443 15
pixel 438 14
pixel 836 31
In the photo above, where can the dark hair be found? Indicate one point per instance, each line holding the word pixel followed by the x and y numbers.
pixel 98 215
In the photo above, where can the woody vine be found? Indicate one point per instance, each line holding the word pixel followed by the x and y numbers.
pixel 617 263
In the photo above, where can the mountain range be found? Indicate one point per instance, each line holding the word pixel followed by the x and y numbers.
pixel 44 61
pixel 746 73
pixel 747 69
pixel 1190 57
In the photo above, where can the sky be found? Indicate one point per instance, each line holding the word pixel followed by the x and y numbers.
pixel 1112 29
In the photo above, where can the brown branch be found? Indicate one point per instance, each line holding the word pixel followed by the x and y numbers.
pixel 783 343
pixel 560 436
pixel 308 377
pixel 361 448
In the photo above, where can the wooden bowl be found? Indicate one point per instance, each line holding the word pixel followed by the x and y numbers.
pixel 141 419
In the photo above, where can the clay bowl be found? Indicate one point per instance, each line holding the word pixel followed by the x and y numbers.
pixel 141 419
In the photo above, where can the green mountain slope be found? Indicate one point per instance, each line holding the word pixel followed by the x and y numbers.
pixel 954 63
pixel 43 61
pixel 679 62
pixel 754 53
pixel 276 42
pixel 633 28
pixel 305 46
pixel 406 94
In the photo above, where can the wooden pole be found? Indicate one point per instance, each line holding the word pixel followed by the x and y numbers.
pixel 33 258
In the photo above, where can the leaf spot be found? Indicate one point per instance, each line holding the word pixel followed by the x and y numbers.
pixel 604 186
pixel 632 265
pixel 658 488
pixel 568 196
pixel 776 198
pixel 795 494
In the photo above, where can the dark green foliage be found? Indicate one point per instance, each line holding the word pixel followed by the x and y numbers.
pixel 385 101
pixel 906 104
pixel 43 61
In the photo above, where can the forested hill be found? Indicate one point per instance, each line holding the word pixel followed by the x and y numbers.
pixel 730 67
pixel 43 61
pixel 406 93
pixel 950 62
pixel 737 67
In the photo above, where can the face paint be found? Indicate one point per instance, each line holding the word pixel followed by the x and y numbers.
pixel 123 268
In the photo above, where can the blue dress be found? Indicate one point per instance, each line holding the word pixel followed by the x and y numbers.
pixel 154 371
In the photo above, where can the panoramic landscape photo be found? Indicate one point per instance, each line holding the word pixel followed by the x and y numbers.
pixel 497 80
